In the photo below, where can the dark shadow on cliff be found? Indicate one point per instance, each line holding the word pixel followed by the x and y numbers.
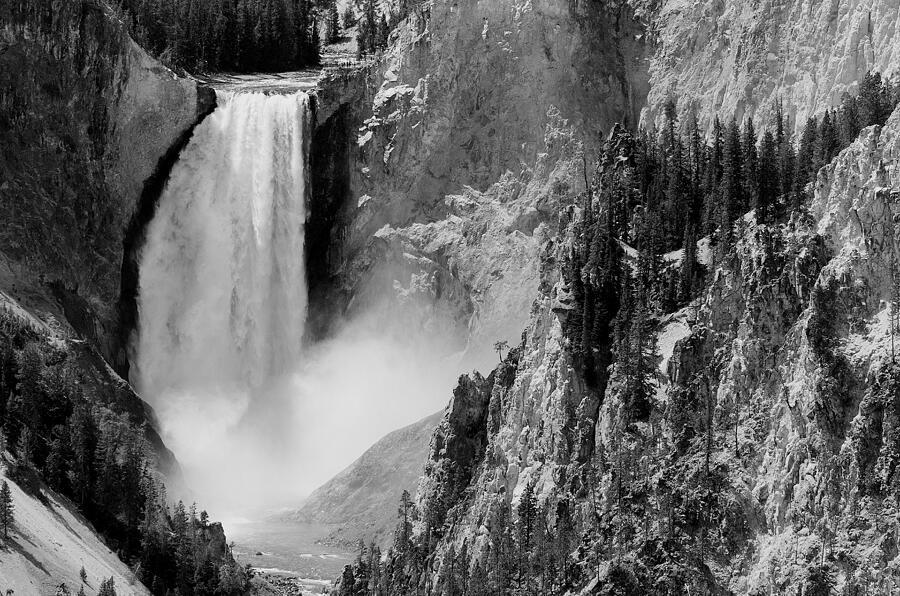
pixel 135 235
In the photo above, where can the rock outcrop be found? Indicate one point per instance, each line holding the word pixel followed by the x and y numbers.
pixel 776 393
pixel 782 370
pixel 461 153
pixel 736 58
pixel 88 118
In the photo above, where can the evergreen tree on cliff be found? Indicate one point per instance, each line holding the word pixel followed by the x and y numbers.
pixel 750 166
pixel 6 509
pixel 732 182
pixel 367 33
pixel 107 587
pixel 383 33
pixel 349 16
pixel 767 188
pixel 806 160
pixel 333 22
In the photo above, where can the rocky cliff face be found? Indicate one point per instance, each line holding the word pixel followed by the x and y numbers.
pixel 776 393
pixel 740 58
pixel 776 389
pixel 458 164
pixel 87 119
pixel 451 155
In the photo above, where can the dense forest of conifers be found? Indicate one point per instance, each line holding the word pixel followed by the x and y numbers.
pixel 661 193
pixel 252 35
pixel 653 196
pixel 100 460
pixel 227 35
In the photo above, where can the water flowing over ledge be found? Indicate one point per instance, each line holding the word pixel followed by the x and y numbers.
pixel 222 294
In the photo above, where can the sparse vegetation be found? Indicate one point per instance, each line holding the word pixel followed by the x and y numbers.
pixel 101 461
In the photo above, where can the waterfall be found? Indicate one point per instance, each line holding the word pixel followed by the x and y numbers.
pixel 222 303
pixel 222 296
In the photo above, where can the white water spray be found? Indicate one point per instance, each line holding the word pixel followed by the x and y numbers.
pixel 222 285
pixel 254 422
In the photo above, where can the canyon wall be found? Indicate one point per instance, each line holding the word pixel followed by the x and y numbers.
pixel 461 150
pixel 735 58
pixel 89 124
pixel 87 119
pixel 775 389
pixel 775 416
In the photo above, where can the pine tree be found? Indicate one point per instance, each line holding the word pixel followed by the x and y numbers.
pixel 688 266
pixel 367 31
pixel 732 183
pixel 527 512
pixel 107 587
pixel 875 104
pixel 713 178
pixel 56 466
pixel 83 440
pixel 24 448
pixel 403 533
pixel 807 166
pixel 349 17
pixel 786 156
pixel 383 33
pixel 312 54
pixel 479 584
pixel 333 22
pixel 848 120
pixel 767 193
pixel 751 167
pixel 697 153
pixel 6 509
pixel 829 137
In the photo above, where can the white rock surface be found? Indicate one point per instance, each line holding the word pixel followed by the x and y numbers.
pixel 738 58
pixel 49 545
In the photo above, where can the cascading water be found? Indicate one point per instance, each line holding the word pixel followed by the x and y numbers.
pixel 222 305
pixel 223 299
pixel 222 285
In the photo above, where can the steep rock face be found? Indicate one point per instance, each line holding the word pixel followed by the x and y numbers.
pixel 736 58
pixel 362 499
pixel 458 155
pixel 776 391
pixel 87 116
pixel 537 424
pixel 779 371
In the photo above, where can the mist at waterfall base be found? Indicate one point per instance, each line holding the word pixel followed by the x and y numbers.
pixel 248 453
pixel 257 419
